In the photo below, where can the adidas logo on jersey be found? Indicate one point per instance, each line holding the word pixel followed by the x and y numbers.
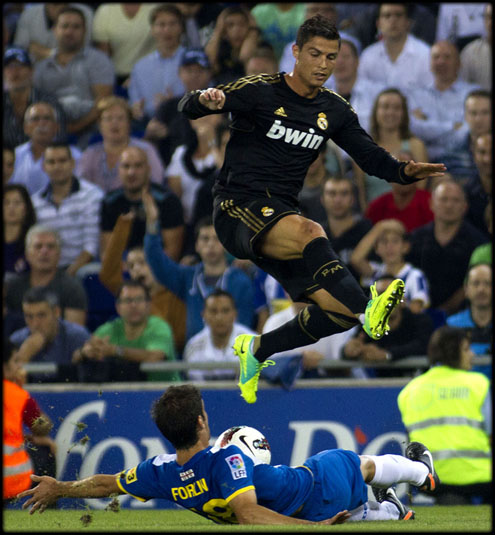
pixel 295 137
pixel 280 112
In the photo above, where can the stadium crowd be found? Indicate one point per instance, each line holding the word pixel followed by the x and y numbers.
pixel 93 144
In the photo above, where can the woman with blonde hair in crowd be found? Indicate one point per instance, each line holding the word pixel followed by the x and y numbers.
pixel 99 162
pixel 389 128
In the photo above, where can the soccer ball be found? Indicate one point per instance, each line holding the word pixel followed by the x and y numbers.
pixel 250 441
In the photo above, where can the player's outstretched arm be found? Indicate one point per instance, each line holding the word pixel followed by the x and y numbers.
pixel 420 170
pixel 248 511
pixel 49 490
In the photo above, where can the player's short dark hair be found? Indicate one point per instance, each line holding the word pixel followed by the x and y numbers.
pixel 38 294
pixel 317 26
pixel 71 9
pixel 444 346
pixel 167 8
pixel 133 283
pixel 176 413
pixel 218 292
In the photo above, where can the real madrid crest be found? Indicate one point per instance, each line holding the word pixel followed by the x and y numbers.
pixel 267 211
pixel 322 121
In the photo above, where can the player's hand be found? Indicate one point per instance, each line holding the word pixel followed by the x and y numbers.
pixel 339 518
pixel 45 493
pixel 421 170
pixel 212 98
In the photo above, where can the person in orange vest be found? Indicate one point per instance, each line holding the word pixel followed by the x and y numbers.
pixel 19 408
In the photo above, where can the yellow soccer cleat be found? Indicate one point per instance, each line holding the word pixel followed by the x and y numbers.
pixel 380 307
pixel 250 367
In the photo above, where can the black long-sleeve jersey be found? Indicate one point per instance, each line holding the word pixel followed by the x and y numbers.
pixel 277 134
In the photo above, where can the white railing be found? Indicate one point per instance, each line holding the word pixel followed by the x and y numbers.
pixel 419 361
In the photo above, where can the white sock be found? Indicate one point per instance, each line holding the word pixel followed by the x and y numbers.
pixel 374 511
pixel 392 469
pixel 362 318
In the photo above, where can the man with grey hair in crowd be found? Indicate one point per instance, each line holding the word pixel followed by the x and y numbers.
pixel 42 255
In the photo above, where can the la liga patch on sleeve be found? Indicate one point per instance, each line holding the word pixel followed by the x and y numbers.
pixel 236 465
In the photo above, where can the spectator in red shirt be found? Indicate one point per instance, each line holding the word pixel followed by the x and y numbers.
pixel 408 204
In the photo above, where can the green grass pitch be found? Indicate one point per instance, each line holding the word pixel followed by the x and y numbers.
pixel 465 519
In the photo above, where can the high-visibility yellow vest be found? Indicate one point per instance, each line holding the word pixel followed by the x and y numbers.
pixel 442 410
pixel 17 466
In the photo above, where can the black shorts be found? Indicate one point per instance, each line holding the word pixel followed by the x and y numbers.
pixel 240 224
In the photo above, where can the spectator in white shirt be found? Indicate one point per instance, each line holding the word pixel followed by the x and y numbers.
pixel 155 77
pixel 41 127
pixel 71 206
pixel 476 57
pixel 214 342
pixel 437 109
pixel 399 59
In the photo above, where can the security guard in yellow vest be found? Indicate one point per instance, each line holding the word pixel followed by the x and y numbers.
pixel 448 409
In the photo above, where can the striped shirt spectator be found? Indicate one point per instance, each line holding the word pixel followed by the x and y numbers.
pixel 71 206
pixel 29 171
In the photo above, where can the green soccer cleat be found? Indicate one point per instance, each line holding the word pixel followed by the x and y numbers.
pixel 250 367
pixel 380 307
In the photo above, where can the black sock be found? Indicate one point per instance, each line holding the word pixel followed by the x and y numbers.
pixel 332 274
pixel 311 324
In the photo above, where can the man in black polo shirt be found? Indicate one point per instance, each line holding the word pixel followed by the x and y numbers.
pixel 134 172
pixel 442 248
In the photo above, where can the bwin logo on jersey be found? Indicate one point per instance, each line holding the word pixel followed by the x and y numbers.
pixel 295 137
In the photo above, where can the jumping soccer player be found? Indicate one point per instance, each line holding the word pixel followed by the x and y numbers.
pixel 280 123
pixel 228 487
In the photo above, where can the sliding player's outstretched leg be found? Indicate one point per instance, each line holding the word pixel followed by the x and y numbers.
pixel 419 452
pixel 389 495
